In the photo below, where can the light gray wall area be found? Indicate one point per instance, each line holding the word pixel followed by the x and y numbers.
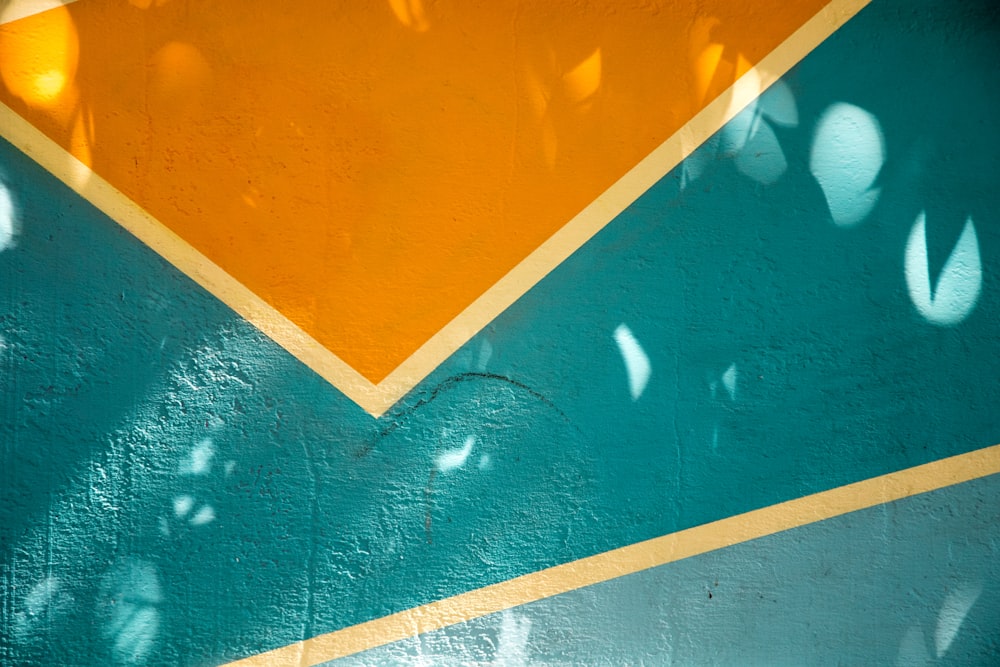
pixel 913 582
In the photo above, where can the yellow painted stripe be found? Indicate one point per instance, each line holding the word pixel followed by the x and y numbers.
pixel 616 199
pixel 376 399
pixel 105 197
pixel 13 10
pixel 632 559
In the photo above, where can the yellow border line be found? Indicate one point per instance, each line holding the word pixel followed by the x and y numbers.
pixel 117 206
pixel 616 199
pixel 631 559
pixel 14 10
pixel 376 399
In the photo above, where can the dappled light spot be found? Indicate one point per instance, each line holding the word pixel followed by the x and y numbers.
pixel 512 644
pixel 713 72
pixel 131 594
pixel 199 461
pixel 848 152
pixel 410 13
pixel 80 143
pixel 959 284
pixel 44 604
pixel 582 82
pixel 7 224
pixel 203 516
pixel 485 353
pixel 729 381
pixel 183 505
pixel 736 132
pixel 637 365
pixel 913 649
pixel 39 65
pixel 537 93
pixel 180 78
pixel 698 159
pixel 455 458
pixel 706 65
pixel 953 612
pixel 761 157
pixel 778 105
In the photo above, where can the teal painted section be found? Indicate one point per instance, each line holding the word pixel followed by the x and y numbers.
pixel 759 326
pixel 847 591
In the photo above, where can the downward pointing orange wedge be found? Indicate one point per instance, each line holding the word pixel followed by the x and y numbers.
pixel 371 169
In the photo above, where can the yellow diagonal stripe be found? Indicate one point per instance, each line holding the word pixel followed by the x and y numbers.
pixel 632 559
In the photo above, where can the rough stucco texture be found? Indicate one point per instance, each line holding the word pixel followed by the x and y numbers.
pixel 815 296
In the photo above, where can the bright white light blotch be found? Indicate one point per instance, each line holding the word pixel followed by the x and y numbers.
pixel 729 381
pixel 959 284
pixel 205 515
pixel 132 592
pixel 953 612
pixel 182 505
pixel 637 365
pixel 44 604
pixel 455 458
pixel 200 460
pixel 6 219
pixel 512 647
pixel 848 152
pixel 736 132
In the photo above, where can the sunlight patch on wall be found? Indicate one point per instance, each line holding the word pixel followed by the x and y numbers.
pixel 7 224
pixel 959 284
pixel 848 152
pixel 637 365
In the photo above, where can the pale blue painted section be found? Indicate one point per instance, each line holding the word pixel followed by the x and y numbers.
pixel 911 583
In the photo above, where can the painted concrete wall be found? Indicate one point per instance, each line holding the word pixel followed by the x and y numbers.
pixel 617 468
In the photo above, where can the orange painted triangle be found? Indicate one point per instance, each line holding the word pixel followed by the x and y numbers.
pixel 370 169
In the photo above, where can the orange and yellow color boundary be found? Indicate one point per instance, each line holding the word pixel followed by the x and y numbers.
pixel 377 397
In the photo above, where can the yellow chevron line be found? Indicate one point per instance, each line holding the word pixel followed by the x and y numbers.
pixel 13 10
pixel 377 398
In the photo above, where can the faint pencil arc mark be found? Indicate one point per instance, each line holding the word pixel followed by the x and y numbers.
pixel 397 420
pixel 373 398
pixel 633 558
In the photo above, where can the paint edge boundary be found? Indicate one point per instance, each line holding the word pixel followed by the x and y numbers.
pixel 613 201
pixel 377 398
pixel 634 558
pixel 79 178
